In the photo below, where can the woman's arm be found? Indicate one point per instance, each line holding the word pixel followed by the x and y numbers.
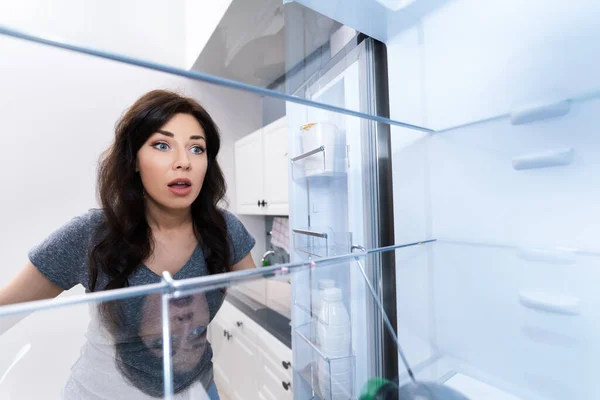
pixel 28 285
pixel 245 263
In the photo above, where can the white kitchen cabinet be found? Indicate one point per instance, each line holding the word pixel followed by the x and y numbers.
pixel 261 170
pixel 249 363
pixel 275 167
pixel 217 334
pixel 249 173
pixel 243 366
pixel 276 373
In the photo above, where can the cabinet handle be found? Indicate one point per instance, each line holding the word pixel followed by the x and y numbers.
pixel 263 203
pixel 239 323
pixel 286 364
pixel 286 385
pixel 258 203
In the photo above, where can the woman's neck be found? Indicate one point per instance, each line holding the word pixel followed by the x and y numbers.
pixel 167 220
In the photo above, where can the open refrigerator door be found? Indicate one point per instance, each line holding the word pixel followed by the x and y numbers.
pixel 329 214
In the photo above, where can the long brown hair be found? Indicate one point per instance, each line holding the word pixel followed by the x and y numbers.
pixel 124 240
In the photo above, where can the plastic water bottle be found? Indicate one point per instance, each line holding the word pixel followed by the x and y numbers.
pixel 334 334
pixel 318 294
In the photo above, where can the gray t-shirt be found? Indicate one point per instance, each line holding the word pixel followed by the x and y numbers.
pixel 63 259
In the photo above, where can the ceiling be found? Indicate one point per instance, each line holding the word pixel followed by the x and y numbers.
pixel 253 45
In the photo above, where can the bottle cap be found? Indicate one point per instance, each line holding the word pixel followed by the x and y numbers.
pixel 326 283
pixel 332 294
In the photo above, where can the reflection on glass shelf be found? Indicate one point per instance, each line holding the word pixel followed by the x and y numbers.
pixel 479 318
pixel 108 350
pixel 113 344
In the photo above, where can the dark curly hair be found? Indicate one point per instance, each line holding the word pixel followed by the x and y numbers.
pixel 124 240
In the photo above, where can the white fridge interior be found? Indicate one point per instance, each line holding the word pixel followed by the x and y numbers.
pixel 507 295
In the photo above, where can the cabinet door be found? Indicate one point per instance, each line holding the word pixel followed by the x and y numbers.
pixel 264 394
pixel 276 165
pixel 275 384
pixel 221 353
pixel 244 360
pixel 249 174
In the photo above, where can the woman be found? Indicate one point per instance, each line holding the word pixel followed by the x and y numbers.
pixel 159 185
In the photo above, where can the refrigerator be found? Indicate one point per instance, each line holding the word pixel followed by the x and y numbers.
pixel 492 154
pixel 337 195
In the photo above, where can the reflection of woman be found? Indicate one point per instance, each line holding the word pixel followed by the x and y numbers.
pixel 139 341
pixel 159 185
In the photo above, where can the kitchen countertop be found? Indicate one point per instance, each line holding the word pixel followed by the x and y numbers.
pixel 270 320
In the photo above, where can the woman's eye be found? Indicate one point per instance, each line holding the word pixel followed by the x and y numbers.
pixel 199 331
pixel 161 146
pixel 197 150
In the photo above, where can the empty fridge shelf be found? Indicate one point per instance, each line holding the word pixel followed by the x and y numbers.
pixel 322 161
pixel 322 243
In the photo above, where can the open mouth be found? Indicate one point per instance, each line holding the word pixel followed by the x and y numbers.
pixel 180 184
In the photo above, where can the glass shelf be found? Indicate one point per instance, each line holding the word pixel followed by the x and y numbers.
pixel 251 49
pixel 112 332
pixel 444 325
pixel 273 49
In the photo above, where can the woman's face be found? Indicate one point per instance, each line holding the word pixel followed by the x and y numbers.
pixel 173 162
pixel 189 317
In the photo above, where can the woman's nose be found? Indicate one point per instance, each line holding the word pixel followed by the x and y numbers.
pixel 183 161
pixel 184 317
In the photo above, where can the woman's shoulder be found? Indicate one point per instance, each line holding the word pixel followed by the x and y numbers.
pixel 95 217
pixel 62 255
pixel 87 222
pixel 242 240
pixel 233 223
pixel 228 215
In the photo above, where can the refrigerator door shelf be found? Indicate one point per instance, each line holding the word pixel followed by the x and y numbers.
pixel 314 366
pixel 321 161
pixel 322 242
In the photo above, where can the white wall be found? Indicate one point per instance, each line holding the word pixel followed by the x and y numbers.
pixel 467 62
pixel 168 32
pixel 58 111
pixel 150 30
